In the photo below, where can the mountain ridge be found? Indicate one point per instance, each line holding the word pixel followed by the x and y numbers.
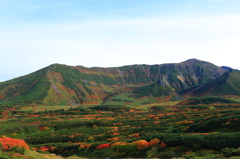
pixel 60 84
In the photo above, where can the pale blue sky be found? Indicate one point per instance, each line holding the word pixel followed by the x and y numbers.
pixel 105 33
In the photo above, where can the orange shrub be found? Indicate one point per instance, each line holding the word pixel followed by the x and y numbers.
pixel 10 142
pixel 115 133
pixel 86 147
pixel 47 148
pixel 154 141
pixel 114 139
pixel 142 144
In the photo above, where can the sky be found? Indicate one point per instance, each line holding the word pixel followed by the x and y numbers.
pixel 110 33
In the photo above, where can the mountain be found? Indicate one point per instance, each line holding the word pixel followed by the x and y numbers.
pixel 60 84
pixel 228 68
pixel 227 84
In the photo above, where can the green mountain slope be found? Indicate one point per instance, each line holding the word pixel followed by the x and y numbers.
pixel 148 94
pixel 227 84
pixel 207 100
pixel 72 85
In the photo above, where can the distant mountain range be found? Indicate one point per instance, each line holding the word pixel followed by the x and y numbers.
pixel 60 84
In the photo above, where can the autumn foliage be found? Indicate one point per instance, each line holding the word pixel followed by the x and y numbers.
pixel 154 141
pixel 142 144
pixel 163 144
pixel 85 146
pixel 8 143
pixel 103 146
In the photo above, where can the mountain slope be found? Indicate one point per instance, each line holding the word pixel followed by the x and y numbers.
pixel 228 68
pixel 72 85
pixel 227 84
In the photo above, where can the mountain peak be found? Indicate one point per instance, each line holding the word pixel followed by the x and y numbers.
pixel 192 60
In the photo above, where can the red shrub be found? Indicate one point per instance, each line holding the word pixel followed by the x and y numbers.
pixel 103 146
pixel 46 148
pixel 10 142
pixel 163 144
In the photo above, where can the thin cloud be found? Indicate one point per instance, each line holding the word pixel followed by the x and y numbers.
pixel 106 43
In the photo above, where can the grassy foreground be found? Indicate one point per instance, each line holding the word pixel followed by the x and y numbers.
pixel 191 129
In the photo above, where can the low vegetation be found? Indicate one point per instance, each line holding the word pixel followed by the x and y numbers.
pixel 199 127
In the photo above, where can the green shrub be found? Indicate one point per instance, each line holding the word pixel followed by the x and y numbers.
pixel 17 149
pixel 173 139
pixel 230 151
pixel 196 147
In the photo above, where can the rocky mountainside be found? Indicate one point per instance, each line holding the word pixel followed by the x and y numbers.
pixel 73 85
pixel 227 84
